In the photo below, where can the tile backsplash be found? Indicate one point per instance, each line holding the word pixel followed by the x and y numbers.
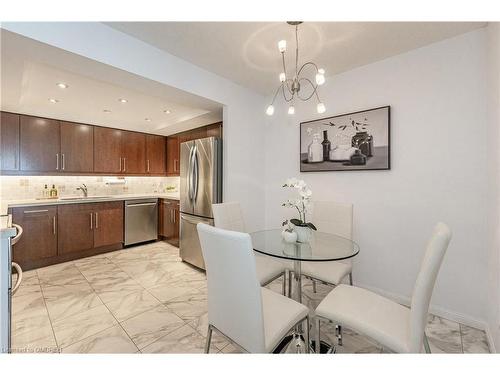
pixel 31 187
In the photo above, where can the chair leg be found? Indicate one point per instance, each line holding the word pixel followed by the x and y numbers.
pixel 283 286
pixel 209 339
pixel 317 346
pixel 307 336
pixel 290 273
pixel 350 278
pixel 314 285
pixel 338 328
pixel 426 344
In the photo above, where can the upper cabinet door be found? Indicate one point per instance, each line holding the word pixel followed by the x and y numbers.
pixel 9 141
pixel 173 156
pixel 77 147
pixel 40 144
pixel 107 150
pixel 134 152
pixel 155 154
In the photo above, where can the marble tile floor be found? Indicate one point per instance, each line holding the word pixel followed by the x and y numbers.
pixel 144 299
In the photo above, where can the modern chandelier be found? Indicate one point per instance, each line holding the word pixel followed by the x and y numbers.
pixel 291 87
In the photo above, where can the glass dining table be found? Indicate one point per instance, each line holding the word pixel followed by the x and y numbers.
pixel 321 247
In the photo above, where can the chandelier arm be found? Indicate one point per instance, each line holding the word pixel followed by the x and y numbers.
pixel 276 93
pixel 284 96
pixel 315 91
pixel 283 61
pixel 306 64
pixel 287 83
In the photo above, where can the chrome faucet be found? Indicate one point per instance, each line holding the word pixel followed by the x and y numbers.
pixel 84 190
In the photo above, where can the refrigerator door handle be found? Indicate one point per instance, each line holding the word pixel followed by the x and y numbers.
pixel 190 175
pixel 196 173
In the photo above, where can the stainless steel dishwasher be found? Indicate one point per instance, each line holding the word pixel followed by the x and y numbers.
pixel 141 220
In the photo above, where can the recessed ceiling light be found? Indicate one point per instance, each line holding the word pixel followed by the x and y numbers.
pixel 106 111
pixel 62 85
pixel 54 101
pixel 167 111
pixel 121 100
pixel 147 119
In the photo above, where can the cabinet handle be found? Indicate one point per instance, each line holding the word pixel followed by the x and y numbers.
pixel 124 168
pixel 57 161
pixel 120 164
pixel 34 211
pixel 63 163
pixel 91 221
pixel 173 214
pixel 148 164
pixel 96 221
pixel 54 225
pixel 175 165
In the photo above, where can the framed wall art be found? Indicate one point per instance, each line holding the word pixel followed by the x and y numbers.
pixel 352 141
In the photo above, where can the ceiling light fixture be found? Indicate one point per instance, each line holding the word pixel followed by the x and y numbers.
pixel 167 111
pixel 290 87
pixel 147 119
pixel 62 85
pixel 121 100
pixel 53 101
pixel 106 110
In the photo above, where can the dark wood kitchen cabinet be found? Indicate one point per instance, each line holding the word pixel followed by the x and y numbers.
pixel 169 221
pixel 9 141
pixel 77 147
pixel 40 144
pixel 156 159
pixel 39 239
pixel 133 152
pixel 87 226
pixel 107 150
pixel 59 233
pixel 173 156
pixel 76 228
pixel 108 223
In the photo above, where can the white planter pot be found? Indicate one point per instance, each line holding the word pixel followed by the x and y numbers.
pixel 303 234
pixel 289 237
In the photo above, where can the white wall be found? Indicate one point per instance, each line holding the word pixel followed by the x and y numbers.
pixel 438 170
pixel 494 246
pixel 243 109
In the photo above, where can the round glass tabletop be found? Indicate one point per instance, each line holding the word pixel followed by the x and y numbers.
pixel 322 247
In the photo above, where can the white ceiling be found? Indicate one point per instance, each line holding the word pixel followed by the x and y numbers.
pixel 30 72
pixel 247 53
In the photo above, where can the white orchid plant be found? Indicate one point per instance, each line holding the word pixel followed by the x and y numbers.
pixel 301 204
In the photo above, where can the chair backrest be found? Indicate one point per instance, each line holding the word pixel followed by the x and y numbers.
pixel 424 285
pixel 228 216
pixel 333 217
pixel 234 295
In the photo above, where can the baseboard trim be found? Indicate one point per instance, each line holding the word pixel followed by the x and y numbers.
pixel 439 311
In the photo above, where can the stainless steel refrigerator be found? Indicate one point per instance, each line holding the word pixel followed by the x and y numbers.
pixel 201 185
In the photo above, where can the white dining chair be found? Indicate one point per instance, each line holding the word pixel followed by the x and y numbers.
pixel 254 318
pixel 229 216
pixel 396 327
pixel 334 218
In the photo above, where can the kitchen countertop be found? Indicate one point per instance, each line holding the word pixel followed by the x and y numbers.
pixel 5 204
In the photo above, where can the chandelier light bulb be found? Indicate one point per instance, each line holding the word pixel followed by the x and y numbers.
pixel 291 110
pixel 320 108
pixel 270 110
pixel 320 78
pixel 282 77
pixel 282 45
pixel 321 71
